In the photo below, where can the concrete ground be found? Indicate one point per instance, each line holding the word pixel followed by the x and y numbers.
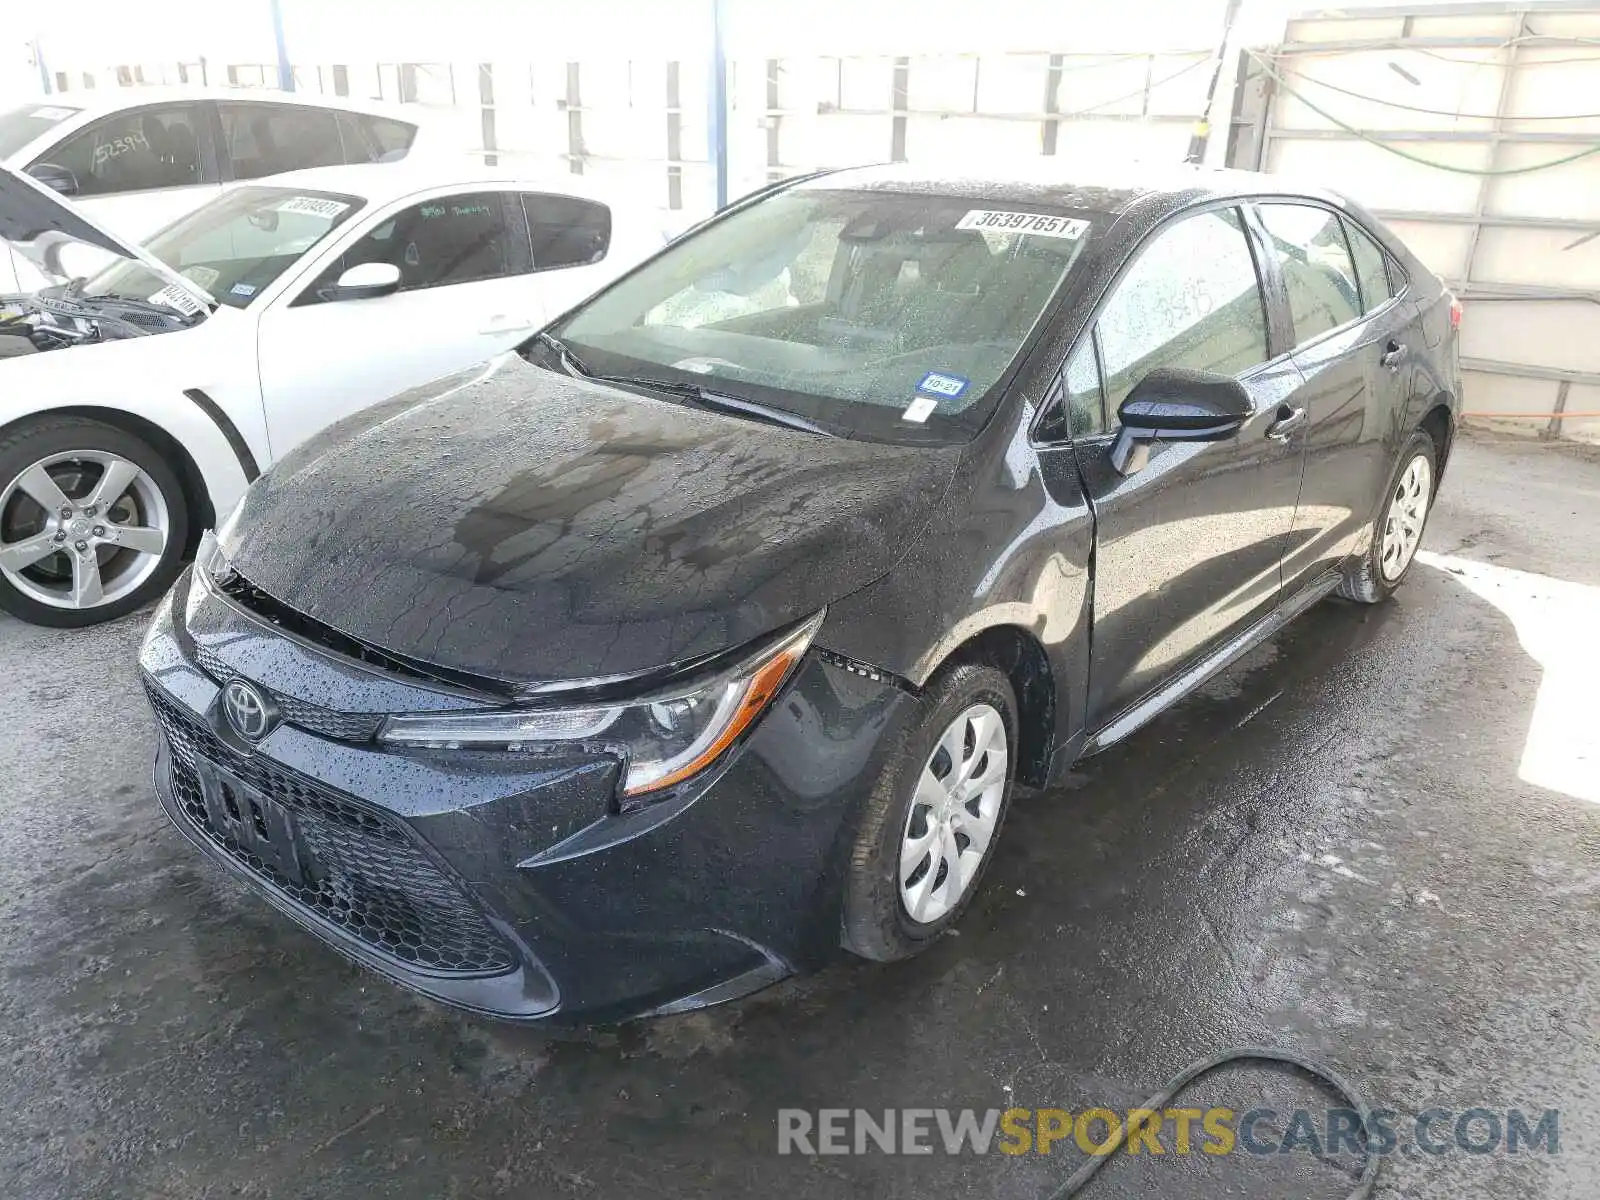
pixel 1376 841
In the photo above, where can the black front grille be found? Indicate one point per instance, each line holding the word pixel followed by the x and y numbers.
pixel 361 871
pixel 328 722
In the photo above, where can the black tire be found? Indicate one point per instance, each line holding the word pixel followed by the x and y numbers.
pixel 28 442
pixel 876 924
pixel 1364 581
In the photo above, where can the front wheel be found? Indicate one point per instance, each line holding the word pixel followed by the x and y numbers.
pixel 1399 528
pixel 93 522
pixel 930 826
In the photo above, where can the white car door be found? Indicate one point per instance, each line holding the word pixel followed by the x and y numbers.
pixel 464 297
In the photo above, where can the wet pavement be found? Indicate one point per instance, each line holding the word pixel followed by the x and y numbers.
pixel 1376 841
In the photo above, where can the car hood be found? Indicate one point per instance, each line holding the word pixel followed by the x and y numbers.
pixel 537 529
pixel 38 223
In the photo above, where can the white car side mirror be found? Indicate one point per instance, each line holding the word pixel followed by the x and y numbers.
pixel 366 282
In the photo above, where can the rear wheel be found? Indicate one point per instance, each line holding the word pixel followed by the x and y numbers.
pixel 93 522
pixel 930 826
pixel 1399 528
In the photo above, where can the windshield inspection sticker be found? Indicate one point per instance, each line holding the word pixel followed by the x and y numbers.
pixel 920 409
pixel 242 289
pixel 941 384
pixel 1039 224
pixel 310 206
pixel 174 296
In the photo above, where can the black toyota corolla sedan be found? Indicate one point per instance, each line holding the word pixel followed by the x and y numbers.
pixel 710 631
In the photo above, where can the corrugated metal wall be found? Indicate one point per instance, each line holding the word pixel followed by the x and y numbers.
pixel 1505 100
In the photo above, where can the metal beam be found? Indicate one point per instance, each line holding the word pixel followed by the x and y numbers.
pixel 1489 220
pixel 1494 366
pixel 1415 43
pixel 1462 136
pixel 1464 8
pixel 1052 118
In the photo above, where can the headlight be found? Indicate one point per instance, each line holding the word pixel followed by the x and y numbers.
pixel 665 736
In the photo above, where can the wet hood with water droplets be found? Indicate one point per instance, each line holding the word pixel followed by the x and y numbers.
pixel 534 528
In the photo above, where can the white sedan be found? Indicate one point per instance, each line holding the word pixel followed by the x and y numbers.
pixel 137 158
pixel 141 401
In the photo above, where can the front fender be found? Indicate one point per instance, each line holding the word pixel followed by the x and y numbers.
pixel 87 382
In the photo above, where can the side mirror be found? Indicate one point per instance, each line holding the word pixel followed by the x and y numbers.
pixel 57 179
pixel 366 282
pixel 1175 405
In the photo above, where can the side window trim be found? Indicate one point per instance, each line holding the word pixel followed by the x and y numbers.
pixel 1393 273
pixel 1274 290
pixel 1300 347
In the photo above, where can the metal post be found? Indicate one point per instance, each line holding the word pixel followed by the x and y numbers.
pixel 1052 104
pixel 576 152
pixel 44 71
pixel 674 137
pixel 774 117
pixel 717 102
pixel 285 70
pixel 486 119
pixel 1199 142
pixel 1496 137
pixel 898 103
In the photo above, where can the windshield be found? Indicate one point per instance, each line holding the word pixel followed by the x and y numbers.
pixel 21 125
pixel 235 246
pixel 874 314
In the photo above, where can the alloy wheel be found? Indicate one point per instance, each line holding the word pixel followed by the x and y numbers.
pixel 953 814
pixel 81 529
pixel 1408 510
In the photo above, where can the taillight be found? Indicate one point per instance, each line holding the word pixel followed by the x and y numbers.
pixel 1456 312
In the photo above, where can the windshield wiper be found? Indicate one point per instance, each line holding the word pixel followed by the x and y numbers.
pixel 719 401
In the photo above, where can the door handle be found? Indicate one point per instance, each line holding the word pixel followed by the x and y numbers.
pixel 1394 355
pixel 1289 419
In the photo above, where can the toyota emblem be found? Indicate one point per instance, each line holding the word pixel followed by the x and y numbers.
pixel 250 713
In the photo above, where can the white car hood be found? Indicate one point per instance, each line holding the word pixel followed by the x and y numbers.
pixel 38 224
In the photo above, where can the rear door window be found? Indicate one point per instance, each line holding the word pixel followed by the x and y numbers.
pixel 1317 269
pixel 1372 268
pixel 566 231
pixel 268 139
pixel 135 151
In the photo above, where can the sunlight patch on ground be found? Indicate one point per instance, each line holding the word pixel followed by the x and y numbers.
pixel 1558 624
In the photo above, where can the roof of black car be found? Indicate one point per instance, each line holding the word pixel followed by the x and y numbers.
pixel 1063 182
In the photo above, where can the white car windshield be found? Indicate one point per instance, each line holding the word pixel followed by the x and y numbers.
pixel 872 314
pixel 235 246
pixel 21 125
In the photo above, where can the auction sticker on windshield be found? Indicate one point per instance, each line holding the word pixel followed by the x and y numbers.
pixel 1040 224
pixel 175 297
pixel 311 206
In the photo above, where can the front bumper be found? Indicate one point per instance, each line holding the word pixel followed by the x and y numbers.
pixel 510 884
